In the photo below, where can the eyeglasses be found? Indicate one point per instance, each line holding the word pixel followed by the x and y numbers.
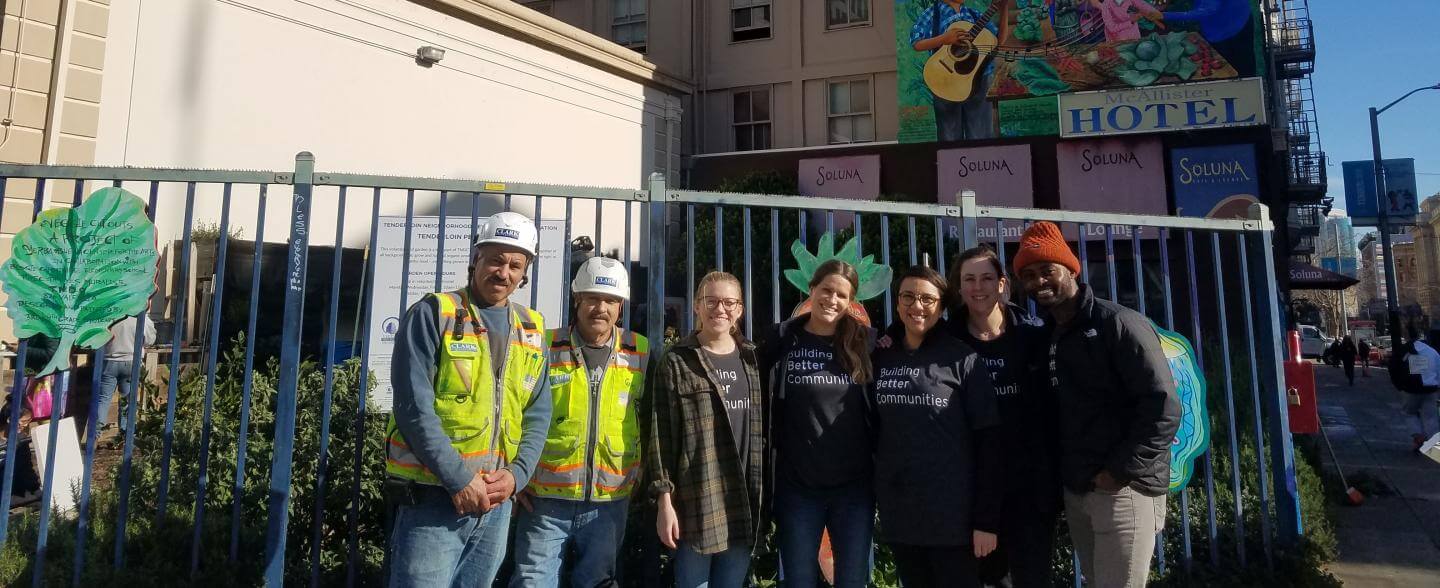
pixel 925 300
pixel 711 302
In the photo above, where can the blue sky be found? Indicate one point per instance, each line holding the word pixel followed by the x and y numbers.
pixel 1368 56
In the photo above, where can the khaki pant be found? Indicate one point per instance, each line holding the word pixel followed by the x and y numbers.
pixel 1114 535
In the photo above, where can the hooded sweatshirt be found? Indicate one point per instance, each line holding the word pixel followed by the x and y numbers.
pixel 937 466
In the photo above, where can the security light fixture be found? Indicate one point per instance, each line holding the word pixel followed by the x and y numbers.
pixel 429 55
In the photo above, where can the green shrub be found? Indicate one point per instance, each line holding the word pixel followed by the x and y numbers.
pixel 158 548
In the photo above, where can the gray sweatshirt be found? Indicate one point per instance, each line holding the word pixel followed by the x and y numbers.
pixel 122 338
pixel 413 369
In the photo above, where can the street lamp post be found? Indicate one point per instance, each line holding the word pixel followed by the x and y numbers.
pixel 1344 326
pixel 1392 300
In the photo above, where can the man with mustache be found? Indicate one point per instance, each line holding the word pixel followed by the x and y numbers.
pixel 471 410
pixel 577 501
pixel 1118 413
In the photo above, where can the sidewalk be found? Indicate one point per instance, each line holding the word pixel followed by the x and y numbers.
pixel 1393 539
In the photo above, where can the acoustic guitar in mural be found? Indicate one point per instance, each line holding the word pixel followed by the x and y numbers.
pixel 951 72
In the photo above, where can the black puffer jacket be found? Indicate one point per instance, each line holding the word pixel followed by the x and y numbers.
pixel 1118 407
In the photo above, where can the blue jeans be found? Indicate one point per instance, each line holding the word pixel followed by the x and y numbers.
pixel 968 120
pixel 115 373
pixel 432 546
pixel 727 569
pixel 594 530
pixel 802 514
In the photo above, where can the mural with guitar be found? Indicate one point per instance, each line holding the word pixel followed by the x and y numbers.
pixel 959 60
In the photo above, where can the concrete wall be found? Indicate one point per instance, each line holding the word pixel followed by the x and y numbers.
pixel 246 84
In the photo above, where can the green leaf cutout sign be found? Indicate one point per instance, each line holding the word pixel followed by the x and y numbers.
pixel 76 271
pixel 874 277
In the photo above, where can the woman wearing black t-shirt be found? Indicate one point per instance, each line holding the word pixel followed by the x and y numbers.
pixel 937 480
pixel 1013 344
pixel 817 364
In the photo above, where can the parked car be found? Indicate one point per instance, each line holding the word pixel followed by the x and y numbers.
pixel 1313 343
pixel 1380 350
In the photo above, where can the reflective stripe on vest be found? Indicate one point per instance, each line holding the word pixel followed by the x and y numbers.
pixel 593 448
pixel 466 398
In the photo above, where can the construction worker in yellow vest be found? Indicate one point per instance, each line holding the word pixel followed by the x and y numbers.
pixel 471 409
pixel 577 501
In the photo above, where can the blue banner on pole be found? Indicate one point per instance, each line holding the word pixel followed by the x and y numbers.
pixel 1214 182
pixel 1400 200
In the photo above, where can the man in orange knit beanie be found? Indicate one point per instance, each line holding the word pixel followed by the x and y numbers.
pixel 1118 413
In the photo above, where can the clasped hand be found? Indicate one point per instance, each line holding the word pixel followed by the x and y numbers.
pixel 484 492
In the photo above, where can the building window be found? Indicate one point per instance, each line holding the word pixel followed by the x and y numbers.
pixel 541 6
pixel 751 117
pixel 628 23
pixel 849 115
pixel 749 20
pixel 840 14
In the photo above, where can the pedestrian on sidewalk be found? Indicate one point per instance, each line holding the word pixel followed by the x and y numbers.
pixel 120 363
pixel 1118 413
pixel 1364 349
pixel 1347 357
pixel 1415 370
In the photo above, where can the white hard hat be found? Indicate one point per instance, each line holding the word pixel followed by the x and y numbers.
pixel 509 228
pixel 602 275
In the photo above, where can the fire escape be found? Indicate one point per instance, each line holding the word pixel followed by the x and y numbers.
pixel 1293 53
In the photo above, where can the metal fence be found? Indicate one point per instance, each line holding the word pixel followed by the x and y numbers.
pixel 668 235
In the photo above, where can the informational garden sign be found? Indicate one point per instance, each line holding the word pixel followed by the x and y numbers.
pixel 388 303
pixel 76 271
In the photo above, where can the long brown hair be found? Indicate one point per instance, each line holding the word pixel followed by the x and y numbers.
pixel 980 252
pixel 718 277
pixel 850 335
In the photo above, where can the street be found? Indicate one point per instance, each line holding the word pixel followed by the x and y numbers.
pixel 1393 538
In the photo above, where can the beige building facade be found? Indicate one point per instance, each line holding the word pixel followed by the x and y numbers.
pixel 1406 273
pixel 1427 256
pixel 52 56
pixel 768 74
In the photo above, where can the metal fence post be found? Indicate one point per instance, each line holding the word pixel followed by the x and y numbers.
pixel 280 469
pixel 970 222
pixel 659 220
pixel 1268 335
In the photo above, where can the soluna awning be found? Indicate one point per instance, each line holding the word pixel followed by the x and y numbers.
pixel 1304 276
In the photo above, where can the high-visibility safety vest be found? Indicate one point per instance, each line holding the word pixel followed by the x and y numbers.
pixel 593 448
pixel 483 420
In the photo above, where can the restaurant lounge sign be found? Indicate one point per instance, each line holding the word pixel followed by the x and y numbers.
pixel 1180 107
